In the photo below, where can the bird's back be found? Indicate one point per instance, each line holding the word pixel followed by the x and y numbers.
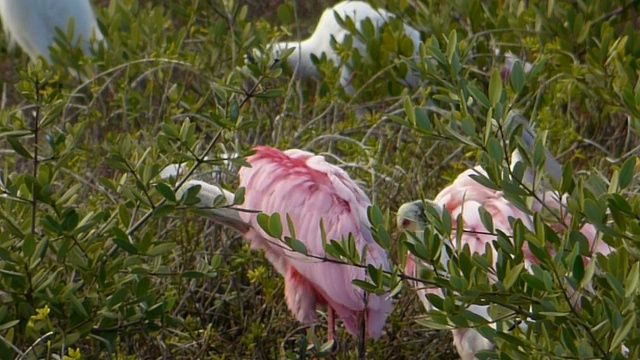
pixel 307 188
pixel 358 11
pixel 466 196
pixel 32 23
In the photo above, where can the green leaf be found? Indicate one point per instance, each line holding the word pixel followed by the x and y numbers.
pixel 422 120
pixel 495 87
pixel 512 276
pixel 18 148
pixel 468 127
pixel 567 183
pixel 263 221
pixel 592 211
pixel 275 226
pixel 29 245
pixel 375 215
pixel 192 274
pixel 163 210
pixel 366 286
pixel 142 287
pixel 298 246
pixel 383 237
pixel 588 273
pixel 479 96
pixel 285 13
pixel 9 325
pixel 486 218
pixel 435 51
pixel 408 110
pixel 631 282
pixel 457 282
pixel 623 332
pixel 122 241
pixel 77 305
pixel 123 215
pixel 118 297
pixel 517 77
pixel 452 45
pixel 484 181
pixel 118 162
pixel 534 282
pixel 627 172
pixel 578 268
pixel 166 191
pixel 238 197
pixel 615 284
pixel 161 249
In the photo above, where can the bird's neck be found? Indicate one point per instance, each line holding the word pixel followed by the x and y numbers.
pixel 300 60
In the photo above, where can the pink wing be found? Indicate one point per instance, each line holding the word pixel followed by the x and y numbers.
pixel 309 189
pixel 551 200
pixel 465 196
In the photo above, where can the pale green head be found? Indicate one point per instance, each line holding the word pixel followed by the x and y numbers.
pixel 411 216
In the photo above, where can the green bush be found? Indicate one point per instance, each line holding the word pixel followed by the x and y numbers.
pixel 99 259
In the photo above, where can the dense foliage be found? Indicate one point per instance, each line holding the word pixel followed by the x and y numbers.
pixel 100 259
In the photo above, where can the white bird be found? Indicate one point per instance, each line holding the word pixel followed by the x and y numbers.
pixel 33 23
pixel 328 28
pixel 509 61
pixel 218 174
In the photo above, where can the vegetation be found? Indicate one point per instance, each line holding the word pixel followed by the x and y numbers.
pixel 99 259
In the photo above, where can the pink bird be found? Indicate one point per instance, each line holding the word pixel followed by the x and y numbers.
pixel 309 190
pixel 465 197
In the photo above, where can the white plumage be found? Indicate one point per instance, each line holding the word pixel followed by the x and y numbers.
pixel 32 24
pixel 319 42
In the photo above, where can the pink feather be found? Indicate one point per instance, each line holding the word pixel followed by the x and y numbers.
pixel 465 196
pixel 308 189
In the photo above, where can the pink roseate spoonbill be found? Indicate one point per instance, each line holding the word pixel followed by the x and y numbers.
pixel 328 28
pixel 33 23
pixel 465 197
pixel 308 189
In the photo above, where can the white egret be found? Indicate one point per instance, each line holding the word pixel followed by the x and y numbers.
pixel 328 30
pixel 32 24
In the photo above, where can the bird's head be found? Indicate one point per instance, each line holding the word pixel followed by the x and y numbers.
pixel 411 216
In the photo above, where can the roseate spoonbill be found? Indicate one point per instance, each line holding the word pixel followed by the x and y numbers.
pixel 32 24
pixel 328 28
pixel 465 197
pixel 309 190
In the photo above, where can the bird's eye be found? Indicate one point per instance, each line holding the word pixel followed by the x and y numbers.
pixel 406 223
